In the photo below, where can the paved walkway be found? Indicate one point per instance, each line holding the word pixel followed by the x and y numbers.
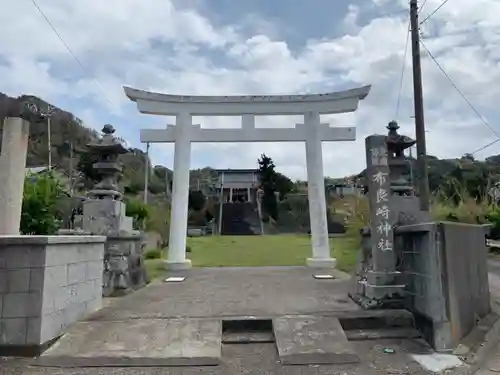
pixel 237 292
pixel 245 291
pixel 492 366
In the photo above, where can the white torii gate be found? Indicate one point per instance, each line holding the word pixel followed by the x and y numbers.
pixel 312 132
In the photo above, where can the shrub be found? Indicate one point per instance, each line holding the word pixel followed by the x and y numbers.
pixel 158 253
pixel 462 207
pixel 153 254
pixel 40 214
pixel 158 221
pixel 138 211
pixel 494 219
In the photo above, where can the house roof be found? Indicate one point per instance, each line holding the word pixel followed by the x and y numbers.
pixel 237 170
pixel 43 168
pixel 36 169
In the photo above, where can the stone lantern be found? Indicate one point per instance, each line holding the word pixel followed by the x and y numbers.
pixel 108 148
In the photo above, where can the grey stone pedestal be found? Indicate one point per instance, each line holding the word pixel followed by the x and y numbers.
pixel 321 262
pixel 177 265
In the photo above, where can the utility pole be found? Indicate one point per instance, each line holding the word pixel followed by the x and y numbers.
pixel 71 180
pixel 49 140
pixel 423 174
pixel 146 174
pixel 48 114
pixel 411 168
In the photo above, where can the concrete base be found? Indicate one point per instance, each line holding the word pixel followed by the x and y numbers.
pixel 177 266
pixel 321 262
pixel 309 340
pixel 47 283
pixel 137 343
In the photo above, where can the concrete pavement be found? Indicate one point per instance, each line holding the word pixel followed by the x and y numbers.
pixel 492 365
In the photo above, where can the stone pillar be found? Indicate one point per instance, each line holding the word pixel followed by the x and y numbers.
pixel 249 195
pixel 180 195
pixel 230 195
pixel 12 173
pixel 317 201
pixel 382 277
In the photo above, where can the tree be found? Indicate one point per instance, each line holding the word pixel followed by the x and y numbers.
pixel 267 177
pixel 158 220
pixel 283 185
pixel 196 200
pixel 85 166
pixel 40 214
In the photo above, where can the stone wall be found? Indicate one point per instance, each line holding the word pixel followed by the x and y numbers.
pixel 46 284
pixel 445 271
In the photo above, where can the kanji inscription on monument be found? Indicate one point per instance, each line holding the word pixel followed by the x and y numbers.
pixel 379 192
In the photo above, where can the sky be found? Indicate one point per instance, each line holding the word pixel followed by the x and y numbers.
pixel 260 47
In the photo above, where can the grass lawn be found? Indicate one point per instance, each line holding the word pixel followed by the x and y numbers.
pixel 255 251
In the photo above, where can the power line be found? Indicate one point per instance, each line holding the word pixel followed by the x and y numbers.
pixel 68 48
pixel 422 7
pixel 486 146
pixel 402 71
pixel 434 12
pixel 458 90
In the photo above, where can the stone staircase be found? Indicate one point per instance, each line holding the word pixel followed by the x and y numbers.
pixel 240 219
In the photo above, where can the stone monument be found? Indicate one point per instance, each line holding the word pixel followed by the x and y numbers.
pixel 104 214
pixel 12 172
pixel 392 203
pixel 437 270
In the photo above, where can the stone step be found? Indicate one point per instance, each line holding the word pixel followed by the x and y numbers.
pixel 247 337
pixel 247 331
pixel 379 334
pixel 309 340
pixel 137 343
pixel 376 319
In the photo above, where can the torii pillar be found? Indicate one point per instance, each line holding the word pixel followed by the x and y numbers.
pixel 321 257
pixel 180 194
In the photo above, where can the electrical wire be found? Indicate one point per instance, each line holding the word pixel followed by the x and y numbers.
pixel 466 100
pixel 422 7
pixel 42 13
pixel 458 90
pixel 486 146
pixel 402 72
pixel 434 12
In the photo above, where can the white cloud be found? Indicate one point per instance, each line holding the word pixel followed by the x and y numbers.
pixel 164 47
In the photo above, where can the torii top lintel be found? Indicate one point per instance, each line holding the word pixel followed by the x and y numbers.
pixel 171 105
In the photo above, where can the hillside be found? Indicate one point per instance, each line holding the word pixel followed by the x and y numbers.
pixel 66 129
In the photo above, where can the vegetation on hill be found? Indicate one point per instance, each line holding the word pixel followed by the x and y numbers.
pixel 68 130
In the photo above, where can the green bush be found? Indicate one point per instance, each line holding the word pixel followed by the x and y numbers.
pixel 494 219
pixel 40 214
pixel 138 211
pixel 153 254
pixel 157 253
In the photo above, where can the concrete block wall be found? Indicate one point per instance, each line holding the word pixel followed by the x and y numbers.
pixel 46 284
pixel 446 271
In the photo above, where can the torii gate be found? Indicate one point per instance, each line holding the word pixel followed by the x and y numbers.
pixel 312 132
